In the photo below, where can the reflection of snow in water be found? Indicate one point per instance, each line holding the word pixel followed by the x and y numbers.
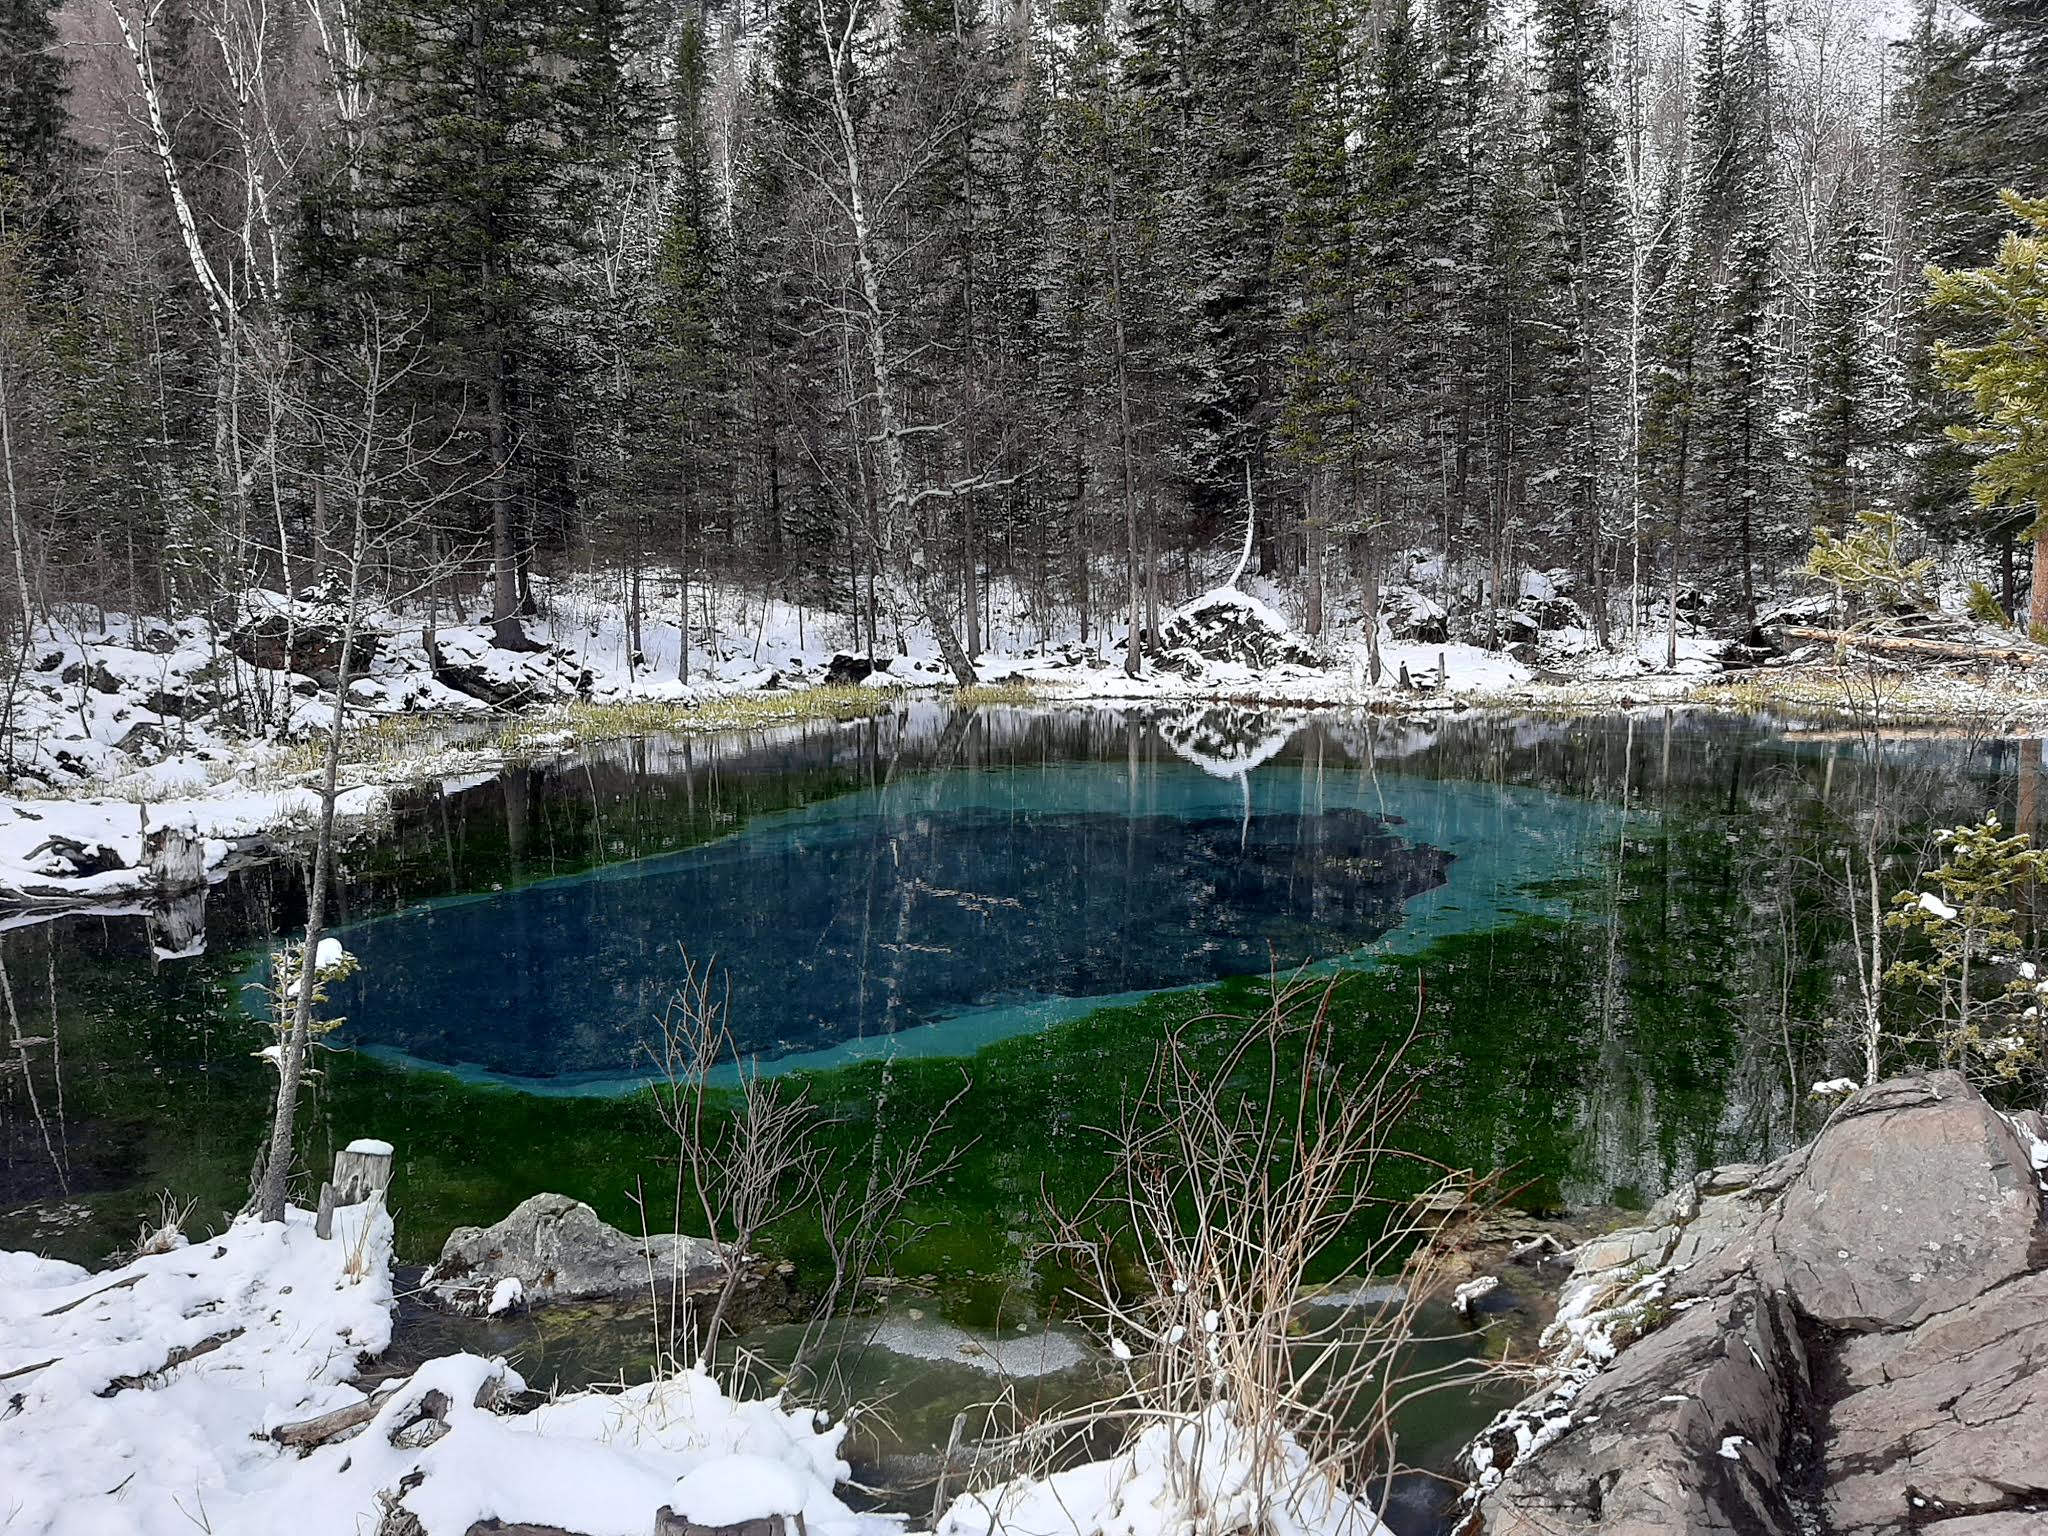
pixel 1228 743
pixel 1019 1356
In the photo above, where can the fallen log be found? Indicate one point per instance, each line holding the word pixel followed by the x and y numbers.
pixel 2020 653
pixel 304 1434
pixel 172 1361
pixel 79 1301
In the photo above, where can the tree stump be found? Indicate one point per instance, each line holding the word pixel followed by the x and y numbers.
pixel 362 1171
pixel 173 867
pixel 174 854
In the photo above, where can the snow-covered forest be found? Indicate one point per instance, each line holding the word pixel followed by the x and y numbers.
pixel 991 320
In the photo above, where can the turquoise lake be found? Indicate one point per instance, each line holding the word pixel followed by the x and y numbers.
pixel 945 910
pixel 1618 936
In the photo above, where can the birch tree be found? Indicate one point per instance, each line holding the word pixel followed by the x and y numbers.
pixel 383 471
pixel 904 504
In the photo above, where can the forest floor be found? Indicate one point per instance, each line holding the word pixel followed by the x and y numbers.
pixel 120 727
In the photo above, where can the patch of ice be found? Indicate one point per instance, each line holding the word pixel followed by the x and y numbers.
pixel 1016 1357
pixel 1358 1296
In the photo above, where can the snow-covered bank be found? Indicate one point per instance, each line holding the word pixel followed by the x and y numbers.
pixel 144 1400
pixel 121 727
pixel 91 848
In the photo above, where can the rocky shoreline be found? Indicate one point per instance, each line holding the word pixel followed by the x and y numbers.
pixel 1851 1339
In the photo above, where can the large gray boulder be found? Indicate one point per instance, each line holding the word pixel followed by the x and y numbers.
pixel 558 1249
pixel 1918 1199
pixel 1854 1338
pixel 1947 1419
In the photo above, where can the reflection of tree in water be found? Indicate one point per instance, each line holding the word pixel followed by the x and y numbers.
pixel 28 1050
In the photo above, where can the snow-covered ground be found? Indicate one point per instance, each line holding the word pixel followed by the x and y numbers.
pixel 90 847
pixel 143 1399
pixel 179 1391
pixel 1177 1476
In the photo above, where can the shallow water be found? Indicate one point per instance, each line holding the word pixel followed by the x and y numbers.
pixel 916 1374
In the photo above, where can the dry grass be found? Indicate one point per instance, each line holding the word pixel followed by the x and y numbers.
pixel 1236 1177
pixel 382 741
pixel 1824 689
pixel 579 724
pixel 1905 698
pixel 394 749
pixel 996 695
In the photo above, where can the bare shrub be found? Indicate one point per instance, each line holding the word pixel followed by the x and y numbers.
pixel 750 1156
pixel 1249 1177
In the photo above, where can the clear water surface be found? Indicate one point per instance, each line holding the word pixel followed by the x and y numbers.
pixel 943 910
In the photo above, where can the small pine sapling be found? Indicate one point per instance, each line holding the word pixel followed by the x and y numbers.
pixel 331 964
pixel 1968 956
pixel 1866 572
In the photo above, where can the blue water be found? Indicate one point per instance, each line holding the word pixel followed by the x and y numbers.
pixel 945 910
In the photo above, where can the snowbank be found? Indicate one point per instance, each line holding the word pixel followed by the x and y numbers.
pixel 120 713
pixel 92 846
pixel 1174 1478
pixel 142 1400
